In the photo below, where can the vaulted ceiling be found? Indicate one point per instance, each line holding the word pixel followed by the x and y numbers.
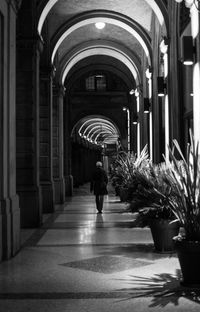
pixel 126 35
pixel 122 45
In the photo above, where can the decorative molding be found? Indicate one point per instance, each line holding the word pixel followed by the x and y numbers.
pixel 16 4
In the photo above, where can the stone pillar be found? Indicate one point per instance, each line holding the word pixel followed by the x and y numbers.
pixel 195 28
pixel 58 168
pixel 28 187
pixel 46 156
pixel 9 203
pixel 175 109
pixel 67 149
pixel 156 101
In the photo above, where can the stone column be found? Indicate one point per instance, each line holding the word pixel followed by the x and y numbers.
pixel 67 149
pixel 9 203
pixel 195 28
pixel 175 109
pixel 58 168
pixel 28 187
pixel 46 126
pixel 156 101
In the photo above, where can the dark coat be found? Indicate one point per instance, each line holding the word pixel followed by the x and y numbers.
pixel 99 182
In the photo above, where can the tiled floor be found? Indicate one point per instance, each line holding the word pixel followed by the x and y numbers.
pixel 83 261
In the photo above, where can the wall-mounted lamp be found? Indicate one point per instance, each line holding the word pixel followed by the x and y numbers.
pixel 148 72
pixel 138 90
pixel 188 50
pixel 135 119
pixel 146 105
pixel 124 108
pixel 189 3
pixel 132 91
pixel 164 45
pixel 161 85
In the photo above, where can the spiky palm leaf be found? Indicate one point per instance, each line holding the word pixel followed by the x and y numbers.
pixel 185 178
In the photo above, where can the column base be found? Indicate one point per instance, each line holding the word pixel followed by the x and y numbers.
pixel 30 202
pixel 16 225
pixel 10 224
pixel 59 188
pixel 69 185
pixel 48 200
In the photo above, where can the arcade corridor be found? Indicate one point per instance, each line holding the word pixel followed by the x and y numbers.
pixel 83 261
pixel 83 81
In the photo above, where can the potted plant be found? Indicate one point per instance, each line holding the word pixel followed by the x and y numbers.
pixel 125 166
pixel 153 194
pixel 185 179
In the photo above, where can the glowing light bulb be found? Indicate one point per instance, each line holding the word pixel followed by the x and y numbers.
pixel 100 25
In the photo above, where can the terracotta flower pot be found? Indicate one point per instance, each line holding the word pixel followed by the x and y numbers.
pixel 163 232
pixel 189 258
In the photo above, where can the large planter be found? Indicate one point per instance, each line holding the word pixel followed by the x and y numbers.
pixel 189 258
pixel 123 194
pixel 163 232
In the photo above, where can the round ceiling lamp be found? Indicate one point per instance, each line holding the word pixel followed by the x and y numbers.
pixel 100 25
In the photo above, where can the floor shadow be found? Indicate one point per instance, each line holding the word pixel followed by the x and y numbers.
pixel 99 220
pixel 163 288
pixel 117 201
pixel 143 251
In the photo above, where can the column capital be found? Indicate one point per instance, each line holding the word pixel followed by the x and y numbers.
pixel 47 72
pixel 16 4
pixel 58 90
pixel 30 43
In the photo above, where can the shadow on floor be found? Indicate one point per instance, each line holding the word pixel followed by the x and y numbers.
pixel 144 251
pixel 164 288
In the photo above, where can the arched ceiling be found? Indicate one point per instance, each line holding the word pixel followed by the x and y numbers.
pixel 97 130
pixel 62 10
pixel 125 41
pixel 71 25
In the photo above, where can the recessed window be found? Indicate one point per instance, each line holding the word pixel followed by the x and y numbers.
pixel 90 83
pixel 96 83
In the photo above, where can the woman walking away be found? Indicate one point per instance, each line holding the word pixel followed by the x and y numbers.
pixel 99 185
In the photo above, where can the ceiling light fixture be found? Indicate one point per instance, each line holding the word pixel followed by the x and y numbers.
pixel 100 25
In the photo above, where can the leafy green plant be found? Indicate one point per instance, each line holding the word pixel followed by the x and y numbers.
pixel 125 165
pixel 151 198
pixel 184 178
